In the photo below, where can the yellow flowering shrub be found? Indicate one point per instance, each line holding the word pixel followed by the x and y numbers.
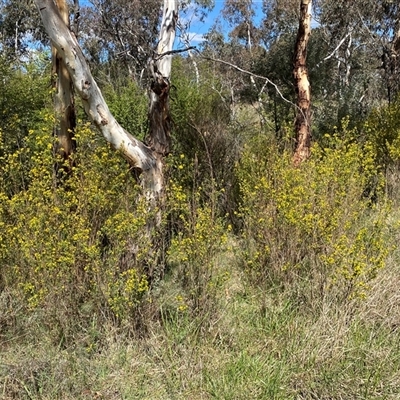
pixel 318 218
pixel 81 240
pixel 199 235
pixel 382 129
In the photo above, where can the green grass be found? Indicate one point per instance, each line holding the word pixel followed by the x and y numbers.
pixel 257 343
pixel 250 306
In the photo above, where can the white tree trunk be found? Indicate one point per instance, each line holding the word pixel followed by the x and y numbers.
pixel 63 98
pixel 186 40
pixel 159 137
pixel 138 155
pixel 167 36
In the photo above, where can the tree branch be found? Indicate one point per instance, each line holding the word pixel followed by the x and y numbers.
pixel 267 81
pixel 138 155
pixel 168 53
pixel 336 48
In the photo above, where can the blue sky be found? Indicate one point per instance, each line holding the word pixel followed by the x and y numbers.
pixel 198 28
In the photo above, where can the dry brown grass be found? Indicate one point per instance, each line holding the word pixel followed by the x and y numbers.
pixel 265 342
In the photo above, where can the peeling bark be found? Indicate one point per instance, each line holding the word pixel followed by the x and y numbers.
pixel 159 136
pixel 302 85
pixel 63 99
pixel 140 156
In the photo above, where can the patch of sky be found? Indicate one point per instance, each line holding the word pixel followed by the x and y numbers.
pixel 197 24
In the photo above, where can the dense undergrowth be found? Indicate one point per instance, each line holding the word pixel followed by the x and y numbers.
pixel 275 282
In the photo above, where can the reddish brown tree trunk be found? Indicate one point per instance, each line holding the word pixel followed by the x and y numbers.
pixel 302 85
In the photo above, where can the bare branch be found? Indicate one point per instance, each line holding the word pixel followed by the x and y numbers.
pixel 138 155
pixel 336 48
pixel 168 53
pixel 267 81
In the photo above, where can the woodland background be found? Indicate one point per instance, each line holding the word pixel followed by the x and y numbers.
pixel 268 280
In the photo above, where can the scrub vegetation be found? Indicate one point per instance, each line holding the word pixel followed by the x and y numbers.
pixel 280 282
pixel 262 279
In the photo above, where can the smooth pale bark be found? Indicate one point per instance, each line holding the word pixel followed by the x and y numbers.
pixel 63 97
pixel 186 40
pixel 138 155
pixel 302 85
pixel 159 136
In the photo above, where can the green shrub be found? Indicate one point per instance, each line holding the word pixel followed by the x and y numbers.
pixel 204 132
pixel 382 130
pixel 83 242
pixel 25 91
pixel 199 236
pixel 129 105
pixel 315 220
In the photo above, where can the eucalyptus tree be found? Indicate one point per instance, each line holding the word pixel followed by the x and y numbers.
pixel 245 35
pixel 63 98
pixel 353 54
pixel 192 11
pixel 280 18
pixel 144 159
pixel 302 85
pixel 19 28
pixel 364 41
pixel 240 14
pixel 120 35
pixel 239 48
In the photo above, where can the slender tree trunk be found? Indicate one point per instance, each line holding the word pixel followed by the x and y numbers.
pixel 186 40
pixel 392 67
pixel 140 157
pixel 302 85
pixel 16 39
pixel 63 98
pixel 146 160
pixel 159 135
